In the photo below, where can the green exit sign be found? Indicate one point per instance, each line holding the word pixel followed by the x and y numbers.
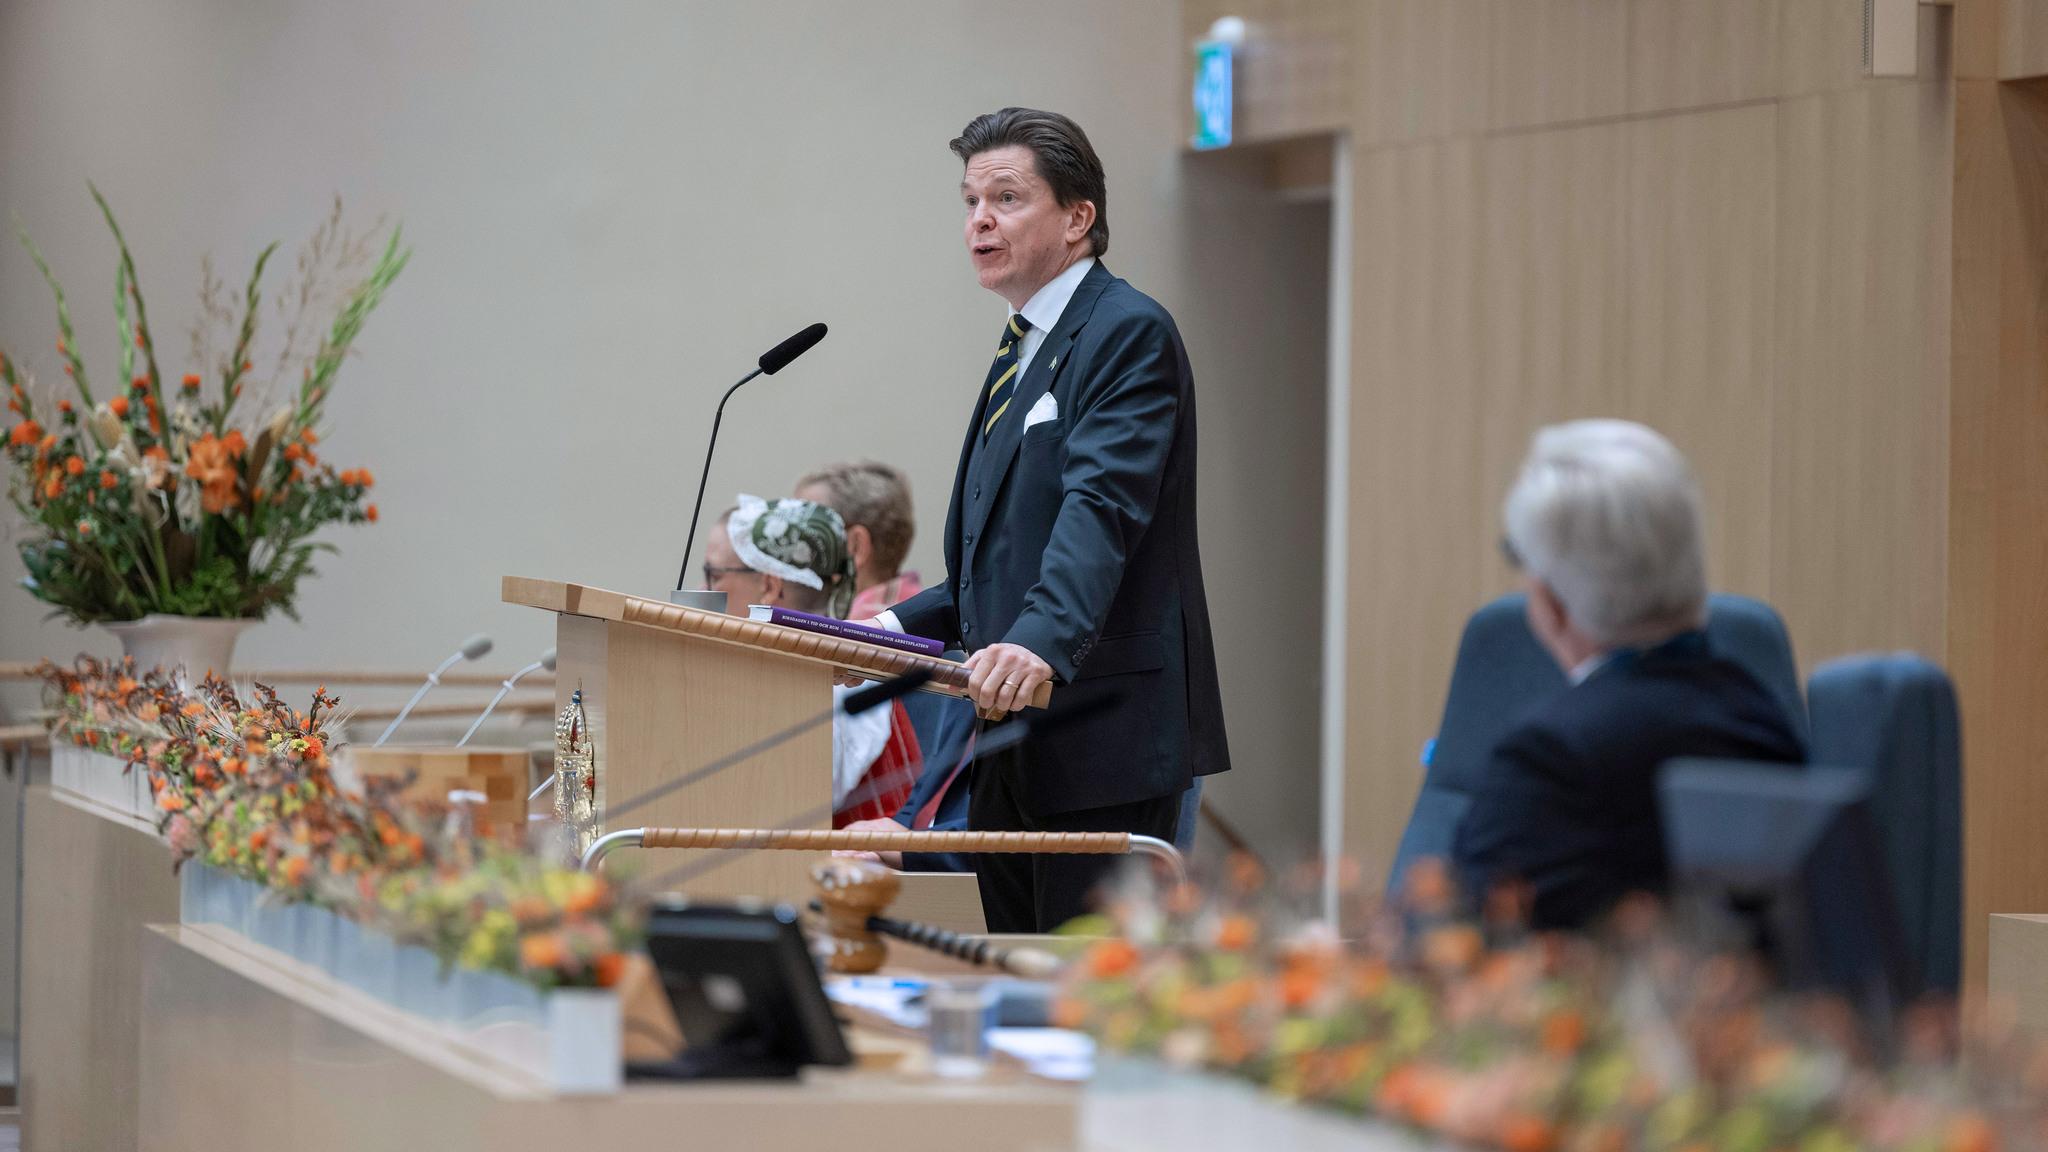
pixel 1212 94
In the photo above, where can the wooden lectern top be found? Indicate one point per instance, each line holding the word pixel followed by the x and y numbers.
pixel 871 660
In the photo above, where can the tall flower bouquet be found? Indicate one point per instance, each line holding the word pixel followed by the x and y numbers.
pixel 198 497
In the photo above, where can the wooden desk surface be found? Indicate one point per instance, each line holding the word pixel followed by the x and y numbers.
pixel 92 877
pixel 2017 977
pixel 240 1045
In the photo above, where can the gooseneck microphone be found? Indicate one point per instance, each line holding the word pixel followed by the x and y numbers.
pixel 772 361
pixel 474 648
pixel 547 661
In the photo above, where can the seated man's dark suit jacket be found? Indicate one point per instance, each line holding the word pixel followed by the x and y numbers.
pixel 1075 538
pixel 1570 801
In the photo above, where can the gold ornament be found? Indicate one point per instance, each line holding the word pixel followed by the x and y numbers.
pixel 575 777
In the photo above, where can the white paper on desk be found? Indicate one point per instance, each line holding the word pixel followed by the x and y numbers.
pixel 887 997
pixel 1054 1053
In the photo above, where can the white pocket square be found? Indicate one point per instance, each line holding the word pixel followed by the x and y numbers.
pixel 1047 408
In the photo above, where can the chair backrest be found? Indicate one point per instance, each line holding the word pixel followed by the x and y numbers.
pixel 1894 717
pixel 1750 633
pixel 1501 673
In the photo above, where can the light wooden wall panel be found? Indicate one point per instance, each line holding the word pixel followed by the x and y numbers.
pixel 1293 75
pixel 1820 46
pixel 2022 39
pixel 1422 69
pixel 1998 496
pixel 1760 277
pixel 1693 54
pixel 1858 496
pixel 1699 201
pixel 1555 61
pixel 1417 277
pixel 1699 214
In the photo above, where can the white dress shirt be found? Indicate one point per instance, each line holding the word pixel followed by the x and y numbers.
pixel 1043 310
pixel 1578 675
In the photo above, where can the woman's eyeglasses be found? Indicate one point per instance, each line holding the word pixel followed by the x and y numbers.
pixel 712 572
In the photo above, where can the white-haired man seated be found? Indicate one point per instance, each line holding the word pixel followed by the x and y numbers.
pixel 1604 524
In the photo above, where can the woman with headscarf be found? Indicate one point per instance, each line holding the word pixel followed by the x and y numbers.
pixel 792 553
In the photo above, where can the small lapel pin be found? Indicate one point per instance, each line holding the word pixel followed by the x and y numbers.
pixel 1054 366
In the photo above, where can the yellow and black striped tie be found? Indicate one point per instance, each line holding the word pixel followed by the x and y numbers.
pixel 1002 375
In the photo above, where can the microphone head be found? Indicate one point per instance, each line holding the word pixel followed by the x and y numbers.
pixel 777 358
pixel 476 647
pixel 547 659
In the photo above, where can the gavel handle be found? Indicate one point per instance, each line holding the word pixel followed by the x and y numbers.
pixel 1031 963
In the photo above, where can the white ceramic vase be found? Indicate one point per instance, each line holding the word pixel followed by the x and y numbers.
pixel 198 644
pixel 584 1030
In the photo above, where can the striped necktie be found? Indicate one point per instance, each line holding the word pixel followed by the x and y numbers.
pixel 1002 375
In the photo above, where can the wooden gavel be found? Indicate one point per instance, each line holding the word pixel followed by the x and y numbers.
pixel 853 894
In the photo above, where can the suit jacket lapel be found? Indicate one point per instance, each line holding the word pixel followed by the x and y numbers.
pixel 1000 449
pixel 970 464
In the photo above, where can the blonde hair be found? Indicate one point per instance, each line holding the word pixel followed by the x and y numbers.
pixel 875 496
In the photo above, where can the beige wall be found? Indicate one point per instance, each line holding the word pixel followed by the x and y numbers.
pixel 616 207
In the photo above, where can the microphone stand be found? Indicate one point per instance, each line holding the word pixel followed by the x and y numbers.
pixel 516 677
pixel 433 679
pixel 683 576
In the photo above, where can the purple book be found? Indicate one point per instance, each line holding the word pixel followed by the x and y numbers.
pixel 844 629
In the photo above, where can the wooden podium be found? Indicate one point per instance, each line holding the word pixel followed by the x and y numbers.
pixel 668 689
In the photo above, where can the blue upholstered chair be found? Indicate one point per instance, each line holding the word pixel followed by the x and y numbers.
pixel 1501 672
pixel 1894 716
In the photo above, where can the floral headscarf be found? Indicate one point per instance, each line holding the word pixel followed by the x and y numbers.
pixel 797 540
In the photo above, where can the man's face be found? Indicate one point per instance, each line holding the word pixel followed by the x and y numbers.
pixel 723 572
pixel 1018 235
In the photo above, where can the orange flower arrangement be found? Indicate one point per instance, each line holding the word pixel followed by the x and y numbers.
pixel 212 505
pixel 1495 1037
pixel 210 463
pixel 247 787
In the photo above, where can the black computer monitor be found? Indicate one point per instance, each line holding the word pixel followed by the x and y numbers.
pixel 1795 857
pixel 745 991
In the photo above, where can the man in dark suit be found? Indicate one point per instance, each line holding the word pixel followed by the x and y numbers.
pixel 1070 541
pixel 1604 523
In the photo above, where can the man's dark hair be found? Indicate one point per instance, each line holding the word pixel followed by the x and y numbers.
pixel 1066 160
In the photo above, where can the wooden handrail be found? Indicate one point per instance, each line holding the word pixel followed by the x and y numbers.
pixel 843 840
pixel 873 661
pixel 15 734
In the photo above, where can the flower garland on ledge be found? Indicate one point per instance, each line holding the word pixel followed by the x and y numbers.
pixel 1540 1043
pixel 246 786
